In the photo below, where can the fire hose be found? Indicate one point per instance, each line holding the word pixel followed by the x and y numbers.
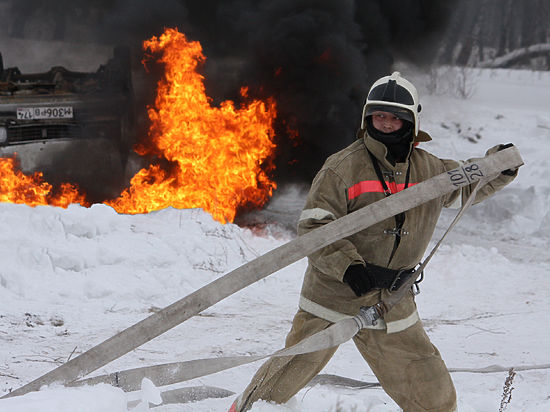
pixel 336 334
pixel 136 335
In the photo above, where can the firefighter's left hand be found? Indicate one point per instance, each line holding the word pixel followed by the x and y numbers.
pixel 507 172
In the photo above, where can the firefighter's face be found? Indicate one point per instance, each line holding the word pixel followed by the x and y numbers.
pixel 386 122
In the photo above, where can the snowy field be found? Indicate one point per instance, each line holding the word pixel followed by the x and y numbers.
pixel 72 278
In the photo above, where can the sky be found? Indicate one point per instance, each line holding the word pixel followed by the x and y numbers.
pixel 71 278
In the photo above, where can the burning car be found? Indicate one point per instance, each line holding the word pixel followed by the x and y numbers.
pixel 193 154
pixel 72 126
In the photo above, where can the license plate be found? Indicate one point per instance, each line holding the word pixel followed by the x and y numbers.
pixel 49 112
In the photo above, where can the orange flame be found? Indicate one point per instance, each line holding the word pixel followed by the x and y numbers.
pixel 219 155
pixel 32 190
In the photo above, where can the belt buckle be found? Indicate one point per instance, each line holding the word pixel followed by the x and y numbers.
pixel 395 283
pixel 395 280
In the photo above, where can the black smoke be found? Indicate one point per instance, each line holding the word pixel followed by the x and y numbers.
pixel 317 58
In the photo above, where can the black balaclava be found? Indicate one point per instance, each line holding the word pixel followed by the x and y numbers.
pixel 398 143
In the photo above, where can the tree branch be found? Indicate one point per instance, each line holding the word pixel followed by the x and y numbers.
pixel 510 58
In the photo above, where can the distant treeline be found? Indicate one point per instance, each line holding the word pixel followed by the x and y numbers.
pixel 480 31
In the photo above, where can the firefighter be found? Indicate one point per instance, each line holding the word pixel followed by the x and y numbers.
pixel 361 269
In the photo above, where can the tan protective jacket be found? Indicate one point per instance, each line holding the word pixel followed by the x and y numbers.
pixel 347 182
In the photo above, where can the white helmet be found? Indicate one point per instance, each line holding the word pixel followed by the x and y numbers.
pixel 396 95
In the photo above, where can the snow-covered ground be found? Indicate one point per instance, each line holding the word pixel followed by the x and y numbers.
pixel 72 278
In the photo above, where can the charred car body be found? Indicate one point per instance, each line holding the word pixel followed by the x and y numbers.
pixel 74 127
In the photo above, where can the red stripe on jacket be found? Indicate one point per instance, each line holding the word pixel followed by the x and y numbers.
pixel 374 186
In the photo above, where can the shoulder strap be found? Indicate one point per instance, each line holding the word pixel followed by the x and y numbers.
pixel 400 217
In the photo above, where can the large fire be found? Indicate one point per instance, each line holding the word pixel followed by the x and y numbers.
pixel 217 152
pixel 218 157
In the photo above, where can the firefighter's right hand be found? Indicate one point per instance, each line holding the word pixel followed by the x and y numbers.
pixel 358 279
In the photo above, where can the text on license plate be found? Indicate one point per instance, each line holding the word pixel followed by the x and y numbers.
pixel 50 112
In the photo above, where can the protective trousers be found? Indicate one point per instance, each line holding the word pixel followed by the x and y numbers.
pixel 407 365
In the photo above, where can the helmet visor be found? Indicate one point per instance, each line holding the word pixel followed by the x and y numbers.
pixel 399 112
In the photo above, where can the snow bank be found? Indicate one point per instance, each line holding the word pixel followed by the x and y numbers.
pixel 93 254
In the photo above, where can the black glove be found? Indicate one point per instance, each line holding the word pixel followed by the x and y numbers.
pixel 358 279
pixel 507 172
